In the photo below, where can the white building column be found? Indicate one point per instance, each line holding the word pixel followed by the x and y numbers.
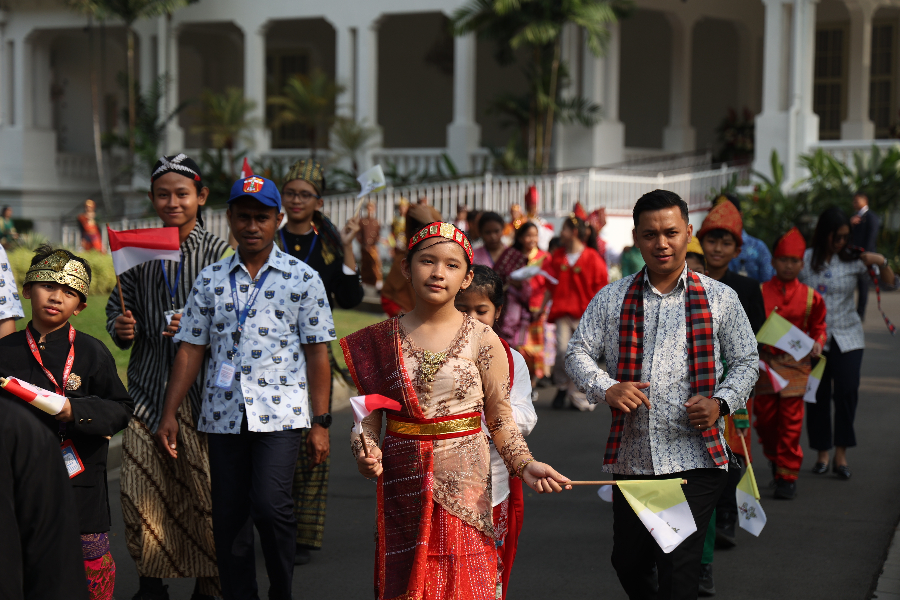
pixel 367 83
pixel 168 64
pixel 255 81
pixel 604 143
pixel 787 124
pixel 463 133
pixel 858 126
pixel 147 55
pixel 345 42
pixel 21 87
pixel 679 136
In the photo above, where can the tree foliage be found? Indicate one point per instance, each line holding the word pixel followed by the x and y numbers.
pixel 225 119
pixel 308 101
pixel 535 27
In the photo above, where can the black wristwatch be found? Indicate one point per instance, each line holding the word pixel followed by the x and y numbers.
pixel 324 420
pixel 724 411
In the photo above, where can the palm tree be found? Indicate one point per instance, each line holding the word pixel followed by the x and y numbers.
pixel 351 138
pixel 224 118
pixel 307 101
pixel 537 26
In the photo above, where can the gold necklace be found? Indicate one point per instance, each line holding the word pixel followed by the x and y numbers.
pixel 430 364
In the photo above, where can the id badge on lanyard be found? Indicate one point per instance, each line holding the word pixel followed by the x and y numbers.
pixel 74 466
pixel 225 376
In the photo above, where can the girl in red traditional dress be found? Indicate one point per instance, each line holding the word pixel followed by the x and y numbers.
pixel 581 272
pixel 435 527
pixel 483 301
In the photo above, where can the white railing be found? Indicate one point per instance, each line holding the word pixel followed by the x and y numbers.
pixel 411 161
pixel 289 156
pixel 843 150
pixel 558 192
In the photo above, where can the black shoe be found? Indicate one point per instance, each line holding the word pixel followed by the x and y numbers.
pixel 707 585
pixel 302 557
pixel 820 468
pixel 725 537
pixel 785 490
pixel 559 401
pixel 143 594
pixel 842 471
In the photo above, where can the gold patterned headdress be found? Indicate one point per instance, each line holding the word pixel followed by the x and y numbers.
pixel 310 171
pixel 444 230
pixel 60 267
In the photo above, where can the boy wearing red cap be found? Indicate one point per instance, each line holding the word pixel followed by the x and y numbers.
pixel 779 415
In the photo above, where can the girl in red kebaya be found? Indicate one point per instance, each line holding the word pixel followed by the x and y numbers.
pixel 580 272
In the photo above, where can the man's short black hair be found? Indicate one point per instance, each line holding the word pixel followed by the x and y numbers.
pixel 658 200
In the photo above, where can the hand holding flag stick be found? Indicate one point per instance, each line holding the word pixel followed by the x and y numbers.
pixel 45 400
pixel 683 482
pixel 363 407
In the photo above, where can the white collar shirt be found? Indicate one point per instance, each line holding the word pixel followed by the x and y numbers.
pixel 270 384
pixel 661 440
pixel 837 282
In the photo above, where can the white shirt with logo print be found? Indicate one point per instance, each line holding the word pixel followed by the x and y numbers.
pixel 270 384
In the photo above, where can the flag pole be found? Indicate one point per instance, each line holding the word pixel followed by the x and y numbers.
pixel 365 446
pixel 683 482
pixel 750 467
pixel 121 297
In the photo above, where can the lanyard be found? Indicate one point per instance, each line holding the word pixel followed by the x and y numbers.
pixel 242 315
pixel 173 289
pixel 67 370
pixel 308 254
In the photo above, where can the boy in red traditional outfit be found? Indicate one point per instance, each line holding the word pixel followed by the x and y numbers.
pixel 779 415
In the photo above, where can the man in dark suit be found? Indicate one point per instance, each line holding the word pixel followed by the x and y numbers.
pixel 864 226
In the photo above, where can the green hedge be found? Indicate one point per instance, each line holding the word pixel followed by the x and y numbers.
pixel 103 277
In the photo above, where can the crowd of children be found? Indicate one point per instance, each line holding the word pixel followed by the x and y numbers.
pixel 227 412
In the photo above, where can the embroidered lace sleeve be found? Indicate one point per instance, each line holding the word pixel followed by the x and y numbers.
pixel 371 431
pixel 493 366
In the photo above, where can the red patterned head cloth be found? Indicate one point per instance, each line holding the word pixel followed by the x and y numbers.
pixel 580 212
pixel 724 216
pixel 791 244
pixel 444 230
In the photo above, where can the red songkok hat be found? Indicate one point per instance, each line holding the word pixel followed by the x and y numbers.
pixel 724 216
pixel 444 230
pixel 580 212
pixel 791 244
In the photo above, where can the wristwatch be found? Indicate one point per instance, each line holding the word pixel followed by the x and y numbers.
pixel 324 420
pixel 724 411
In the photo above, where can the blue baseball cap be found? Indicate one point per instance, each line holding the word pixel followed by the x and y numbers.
pixel 258 188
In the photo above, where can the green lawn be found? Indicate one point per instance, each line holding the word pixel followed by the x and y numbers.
pixel 92 321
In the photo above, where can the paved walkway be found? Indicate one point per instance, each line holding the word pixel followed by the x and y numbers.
pixel 828 543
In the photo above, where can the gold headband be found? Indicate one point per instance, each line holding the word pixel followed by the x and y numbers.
pixel 60 268
pixel 444 230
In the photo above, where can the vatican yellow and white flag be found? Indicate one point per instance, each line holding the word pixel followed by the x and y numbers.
pixel 662 508
pixel 372 180
pixel 779 332
pixel 751 517
pixel 812 384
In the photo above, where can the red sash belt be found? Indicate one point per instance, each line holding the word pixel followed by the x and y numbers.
pixel 441 428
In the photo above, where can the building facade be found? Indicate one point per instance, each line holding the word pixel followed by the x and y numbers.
pixel 808 70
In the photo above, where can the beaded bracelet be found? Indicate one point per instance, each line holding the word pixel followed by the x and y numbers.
pixel 522 466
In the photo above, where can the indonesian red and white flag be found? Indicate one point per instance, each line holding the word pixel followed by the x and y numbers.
pixel 135 246
pixel 45 400
pixel 246 171
pixel 363 406
pixel 778 382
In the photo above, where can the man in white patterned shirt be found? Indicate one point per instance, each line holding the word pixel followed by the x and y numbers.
pixel 668 418
pixel 266 319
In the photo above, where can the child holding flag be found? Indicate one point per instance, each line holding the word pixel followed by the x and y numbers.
pixel 165 504
pixel 779 408
pixel 436 537
pixel 51 354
